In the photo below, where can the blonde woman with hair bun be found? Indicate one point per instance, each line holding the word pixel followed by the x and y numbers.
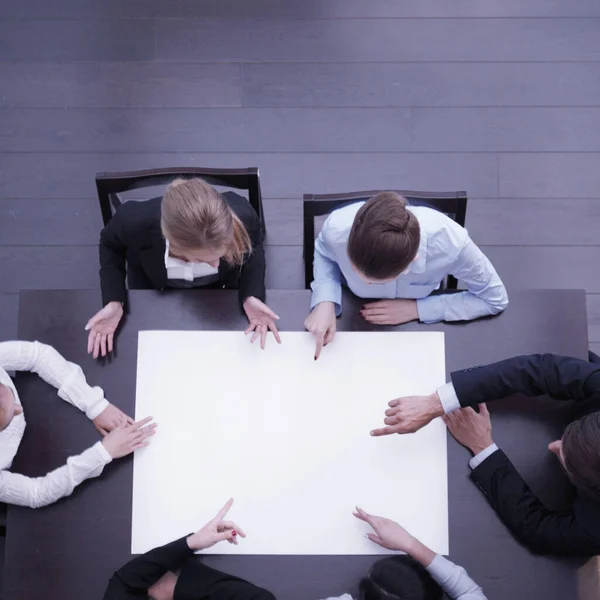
pixel 192 237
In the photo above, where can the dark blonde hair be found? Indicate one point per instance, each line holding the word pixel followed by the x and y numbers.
pixel 195 215
pixel 385 237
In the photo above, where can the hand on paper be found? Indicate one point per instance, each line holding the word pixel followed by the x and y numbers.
pixel 102 327
pixel 409 414
pixel 262 319
pixel 390 312
pixel 388 533
pixel 125 439
pixel 321 323
pixel 111 418
pixel 215 531
pixel 472 430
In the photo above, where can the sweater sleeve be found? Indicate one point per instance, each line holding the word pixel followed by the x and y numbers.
pixel 66 376
pixel 135 578
pixel 454 580
pixel 36 492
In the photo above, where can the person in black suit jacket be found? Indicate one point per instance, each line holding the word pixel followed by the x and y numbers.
pixel 171 572
pixel 191 237
pixel 575 532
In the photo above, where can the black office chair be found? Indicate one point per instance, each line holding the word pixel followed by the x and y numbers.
pixel 452 204
pixel 110 185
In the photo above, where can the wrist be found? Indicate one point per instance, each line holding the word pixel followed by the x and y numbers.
pixel 480 445
pixel 192 543
pixel 435 408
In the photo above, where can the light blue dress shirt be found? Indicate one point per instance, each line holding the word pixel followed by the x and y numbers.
pixel 445 249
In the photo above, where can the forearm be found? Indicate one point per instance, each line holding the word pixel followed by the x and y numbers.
pixel 67 377
pixel 140 573
pixel 252 277
pixel 461 306
pixel 454 580
pixel 113 269
pixel 36 492
pixel 562 378
pixel 327 284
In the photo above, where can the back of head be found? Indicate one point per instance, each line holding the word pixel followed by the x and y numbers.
pixel 195 216
pixel 384 238
pixel 399 578
pixel 581 453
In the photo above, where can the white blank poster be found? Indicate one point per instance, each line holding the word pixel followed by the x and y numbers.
pixel 288 438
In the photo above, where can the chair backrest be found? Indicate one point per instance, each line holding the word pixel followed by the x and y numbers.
pixel 110 185
pixel 452 204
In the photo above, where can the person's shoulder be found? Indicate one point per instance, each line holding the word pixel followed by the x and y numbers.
pixel 136 216
pixel 338 224
pixel 243 209
pixel 441 231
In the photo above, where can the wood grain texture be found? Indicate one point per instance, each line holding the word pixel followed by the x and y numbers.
pixel 50 222
pixel 283 175
pixel 48 267
pixel 549 175
pixel 98 40
pixel 593 313
pixel 326 9
pixel 505 129
pixel 421 84
pixel 202 130
pixel 384 40
pixel 9 309
pixel 534 222
pixel 119 84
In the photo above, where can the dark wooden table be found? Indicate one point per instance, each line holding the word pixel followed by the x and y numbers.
pixel 69 550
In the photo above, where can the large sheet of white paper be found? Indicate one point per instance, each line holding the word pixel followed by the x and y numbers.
pixel 288 438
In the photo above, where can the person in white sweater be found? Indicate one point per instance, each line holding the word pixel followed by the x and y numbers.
pixel 420 575
pixel 121 435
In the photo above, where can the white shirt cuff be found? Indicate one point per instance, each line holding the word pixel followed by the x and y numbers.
pixel 448 397
pixel 103 452
pixel 481 456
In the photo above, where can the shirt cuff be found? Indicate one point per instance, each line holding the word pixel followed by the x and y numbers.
pixel 97 407
pixel 103 452
pixel 448 397
pixel 481 456
pixel 327 291
pixel 430 309
pixel 439 567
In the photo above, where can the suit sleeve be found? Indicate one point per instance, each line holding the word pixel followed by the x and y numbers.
pixel 113 252
pixel 560 377
pixel 252 276
pixel 135 578
pixel 541 530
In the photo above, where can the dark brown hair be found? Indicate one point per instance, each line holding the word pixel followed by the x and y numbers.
pixel 384 238
pixel 581 453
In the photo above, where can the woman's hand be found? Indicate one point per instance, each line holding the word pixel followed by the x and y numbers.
pixel 388 533
pixel 111 418
pixel 125 439
pixel 261 318
pixel 390 312
pixel 102 327
pixel 321 323
pixel 215 531
pixel 392 536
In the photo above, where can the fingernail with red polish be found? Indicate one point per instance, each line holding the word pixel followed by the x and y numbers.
pixel 234 533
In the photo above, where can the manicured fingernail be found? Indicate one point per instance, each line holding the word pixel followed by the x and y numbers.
pixel 315 358
pixel 234 533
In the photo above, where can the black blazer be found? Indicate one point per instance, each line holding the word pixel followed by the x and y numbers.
pixel 196 581
pixel 132 244
pixel 575 532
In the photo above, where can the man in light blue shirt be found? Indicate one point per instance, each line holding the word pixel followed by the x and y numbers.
pixel 424 245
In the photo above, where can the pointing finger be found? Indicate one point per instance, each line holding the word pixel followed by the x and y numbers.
pixel 223 512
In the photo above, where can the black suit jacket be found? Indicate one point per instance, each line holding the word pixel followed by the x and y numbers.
pixel 132 244
pixel 196 581
pixel 574 532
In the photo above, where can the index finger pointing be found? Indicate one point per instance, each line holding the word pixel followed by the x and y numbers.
pixel 383 431
pixel 223 512
pixel 320 337
pixel 275 332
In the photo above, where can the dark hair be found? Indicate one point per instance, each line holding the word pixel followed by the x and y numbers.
pixel 385 237
pixel 399 578
pixel 581 453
